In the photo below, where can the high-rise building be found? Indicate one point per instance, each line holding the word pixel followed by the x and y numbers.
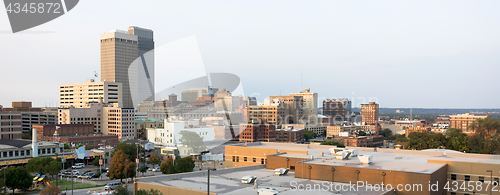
pixel 463 121
pixel 310 105
pixel 369 113
pixel 272 111
pixel 80 94
pixel 295 107
pixel 10 125
pixel 337 108
pixel 146 64
pixel 128 58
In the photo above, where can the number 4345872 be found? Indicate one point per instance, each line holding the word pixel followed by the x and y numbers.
pixel 33 8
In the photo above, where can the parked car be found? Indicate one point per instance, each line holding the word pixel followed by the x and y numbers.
pixel 64 173
pixel 103 170
pixel 75 173
pixel 78 166
pixel 88 175
pixel 156 169
pixel 112 186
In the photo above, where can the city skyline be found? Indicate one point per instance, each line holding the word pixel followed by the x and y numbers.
pixel 404 54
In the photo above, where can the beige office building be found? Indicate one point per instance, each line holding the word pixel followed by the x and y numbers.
pixel 108 119
pixel 272 111
pixel 119 51
pixel 80 94
pixel 463 121
pixel 369 113
pixel 310 105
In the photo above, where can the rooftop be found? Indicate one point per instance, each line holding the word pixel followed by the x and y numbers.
pixel 229 183
pixel 386 159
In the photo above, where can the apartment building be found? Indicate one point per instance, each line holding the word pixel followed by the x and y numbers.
pixel 74 133
pixel 369 113
pixel 33 116
pixel 80 94
pixel 289 135
pixel 418 128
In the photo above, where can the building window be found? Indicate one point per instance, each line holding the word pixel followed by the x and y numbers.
pixel 237 159
pixel 53 150
pixel 28 152
pixel 453 193
pixel 495 181
pixel 22 152
pixel 245 159
pixel 11 154
pixel 4 154
pixel 481 179
pixel 254 159
pixel 234 158
pixel 467 178
pixel 16 153
pixel 453 177
pixel 261 161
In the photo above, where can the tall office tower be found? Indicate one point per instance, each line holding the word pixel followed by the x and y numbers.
pixel 310 105
pixel 146 65
pixel 295 107
pixel 369 113
pixel 119 51
pixel 337 108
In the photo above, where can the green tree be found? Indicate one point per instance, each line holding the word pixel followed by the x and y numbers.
pixel 361 133
pixel 121 167
pixel 386 132
pixel 129 149
pixel 45 165
pixel 185 164
pixel 166 165
pixel 486 128
pixel 66 146
pixel 486 138
pixel 154 159
pixel 122 190
pixel 309 135
pixel 150 192
pixel 142 169
pixel 401 138
pixel 192 139
pixel 332 143
pixel 426 140
pixel 19 178
pixel 456 140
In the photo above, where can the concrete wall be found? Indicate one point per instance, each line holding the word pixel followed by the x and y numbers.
pixel 240 152
pixel 167 190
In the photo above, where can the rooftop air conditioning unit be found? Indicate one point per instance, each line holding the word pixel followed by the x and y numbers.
pixel 354 152
pixel 343 155
pixel 365 159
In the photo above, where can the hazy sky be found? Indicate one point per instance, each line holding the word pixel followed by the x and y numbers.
pixel 431 54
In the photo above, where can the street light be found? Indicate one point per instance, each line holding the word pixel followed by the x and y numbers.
pixel 491 178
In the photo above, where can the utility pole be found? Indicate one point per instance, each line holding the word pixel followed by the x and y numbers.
pixel 57 179
pixel 72 178
pixel 208 183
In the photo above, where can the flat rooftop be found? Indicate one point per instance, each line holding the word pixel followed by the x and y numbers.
pixel 230 184
pixel 383 159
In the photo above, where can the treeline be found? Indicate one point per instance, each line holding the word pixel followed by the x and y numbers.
pixel 485 140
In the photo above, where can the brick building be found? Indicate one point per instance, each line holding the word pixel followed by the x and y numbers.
pixel 289 135
pixel 369 113
pixel 74 133
pixel 418 128
pixel 257 132
pixel 463 121
pixel 10 125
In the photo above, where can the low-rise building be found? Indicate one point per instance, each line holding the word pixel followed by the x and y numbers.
pixel 289 135
pixel 257 132
pixel 418 128
pixel 74 133
pixel 463 121
pixel 170 134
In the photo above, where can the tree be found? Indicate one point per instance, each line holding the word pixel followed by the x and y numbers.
pixel 386 132
pixel 456 140
pixel 185 164
pixel 401 138
pixel 19 178
pixel 486 128
pixel 166 165
pixel 95 162
pixel 426 140
pixel 121 167
pixel 45 165
pixel 50 190
pixel 142 169
pixel 129 149
pixel 66 146
pixel 361 133
pixel 122 190
pixel 154 159
pixel 309 135
pixel 486 138
pixel 192 139
pixel 332 143
pixel 150 192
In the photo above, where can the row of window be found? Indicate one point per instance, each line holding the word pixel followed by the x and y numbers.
pixel 246 159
